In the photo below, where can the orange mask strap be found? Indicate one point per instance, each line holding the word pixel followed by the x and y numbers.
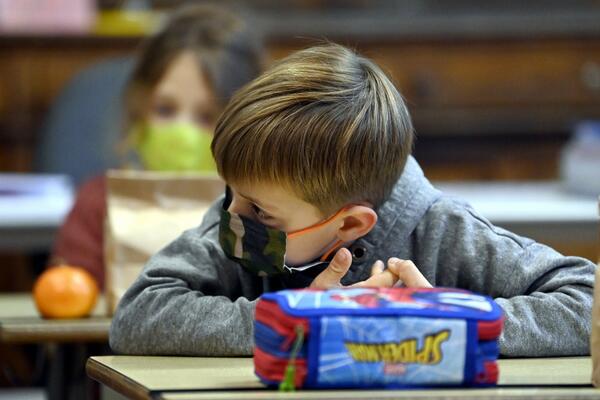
pixel 333 248
pixel 312 228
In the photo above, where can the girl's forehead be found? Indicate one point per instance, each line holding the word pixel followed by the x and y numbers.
pixel 184 78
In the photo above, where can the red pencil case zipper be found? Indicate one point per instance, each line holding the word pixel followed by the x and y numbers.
pixel 273 368
pixel 269 313
pixel 489 330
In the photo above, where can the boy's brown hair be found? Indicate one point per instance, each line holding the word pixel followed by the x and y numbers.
pixel 324 123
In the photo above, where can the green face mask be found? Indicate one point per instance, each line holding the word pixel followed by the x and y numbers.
pixel 175 147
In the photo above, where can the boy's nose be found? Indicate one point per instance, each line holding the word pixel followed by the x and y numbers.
pixel 241 208
pixel 235 207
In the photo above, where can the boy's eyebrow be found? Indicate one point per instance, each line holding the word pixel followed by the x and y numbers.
pixel 255 202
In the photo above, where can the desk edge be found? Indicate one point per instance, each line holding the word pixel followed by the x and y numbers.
pixel 123 385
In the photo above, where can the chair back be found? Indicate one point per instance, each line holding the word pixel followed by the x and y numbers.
pixel 80 133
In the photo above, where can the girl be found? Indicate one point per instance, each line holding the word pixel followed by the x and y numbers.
pixel 183 77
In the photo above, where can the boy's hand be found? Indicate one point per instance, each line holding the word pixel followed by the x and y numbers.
pixel 333 274
pixel 398 273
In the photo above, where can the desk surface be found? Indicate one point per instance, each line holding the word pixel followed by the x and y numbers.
pixel 32 207
pixel 34 199
pixel 525 202
pixel 28 220
pixel 20 322
pixel 228 378
pixel 533 201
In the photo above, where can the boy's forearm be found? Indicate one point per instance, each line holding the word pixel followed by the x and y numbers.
pixel 546 296
pixel 184 324
pixel 547 324
pixel 554 316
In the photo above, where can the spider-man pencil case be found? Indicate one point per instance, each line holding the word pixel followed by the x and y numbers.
pixel 377 337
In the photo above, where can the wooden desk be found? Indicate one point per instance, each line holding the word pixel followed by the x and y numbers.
pixel 540 210
pixel 65 342
pixel 492 94
pixel 20 322
pixel 179 378
pixel 32 208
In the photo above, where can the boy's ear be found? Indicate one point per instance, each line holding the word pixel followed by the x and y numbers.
pixel 357 222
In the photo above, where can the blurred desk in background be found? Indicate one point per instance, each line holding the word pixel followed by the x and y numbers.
pixel 32 207
pixel 507 80
pixel 542 211
pixel 66 342
pixel 20 322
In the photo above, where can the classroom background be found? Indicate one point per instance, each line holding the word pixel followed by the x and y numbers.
pixel 504 95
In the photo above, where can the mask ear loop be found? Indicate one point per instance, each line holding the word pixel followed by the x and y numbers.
pixel 318 225
pixel 333 248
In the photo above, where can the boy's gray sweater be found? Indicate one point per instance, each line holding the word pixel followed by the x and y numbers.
pixel 192 300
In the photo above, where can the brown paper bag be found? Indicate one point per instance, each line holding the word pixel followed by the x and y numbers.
pixel 595 339
pixel 145 212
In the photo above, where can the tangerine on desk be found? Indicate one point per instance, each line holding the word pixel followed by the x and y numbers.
pixel 65 292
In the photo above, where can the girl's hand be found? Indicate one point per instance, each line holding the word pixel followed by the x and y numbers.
pixel 398 273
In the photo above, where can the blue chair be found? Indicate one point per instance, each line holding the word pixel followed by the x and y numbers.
pixel 84 125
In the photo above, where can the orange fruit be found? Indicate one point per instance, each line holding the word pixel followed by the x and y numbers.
pixel 65 292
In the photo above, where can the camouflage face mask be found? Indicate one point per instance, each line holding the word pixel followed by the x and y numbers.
pixel 258 248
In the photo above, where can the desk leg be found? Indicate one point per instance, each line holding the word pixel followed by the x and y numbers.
pixel 67 379
pixel 56 385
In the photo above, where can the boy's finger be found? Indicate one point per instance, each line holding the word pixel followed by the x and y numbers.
pixel 336 270
pixel 408 273
pixel 383 279
pixel 377 268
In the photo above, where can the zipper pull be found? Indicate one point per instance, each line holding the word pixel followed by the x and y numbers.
pixel 288 384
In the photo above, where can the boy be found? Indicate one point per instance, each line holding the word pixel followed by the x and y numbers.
pixel 322 190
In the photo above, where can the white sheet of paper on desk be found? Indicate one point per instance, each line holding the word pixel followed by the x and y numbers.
pixel 34 199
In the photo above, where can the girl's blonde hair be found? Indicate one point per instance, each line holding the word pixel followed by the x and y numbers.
pixel 324 122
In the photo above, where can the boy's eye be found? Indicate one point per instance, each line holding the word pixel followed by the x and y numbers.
pixel 259 212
